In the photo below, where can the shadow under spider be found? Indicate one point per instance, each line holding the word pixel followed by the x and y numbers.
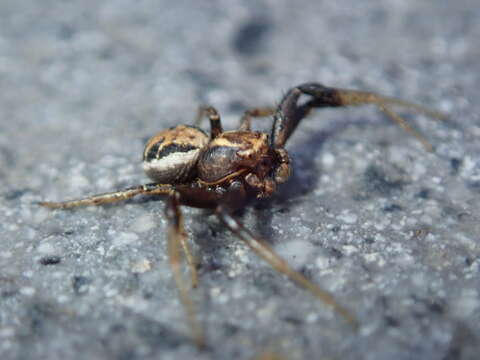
pixel 294 191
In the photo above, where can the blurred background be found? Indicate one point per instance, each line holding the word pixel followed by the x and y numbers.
pixel 388 228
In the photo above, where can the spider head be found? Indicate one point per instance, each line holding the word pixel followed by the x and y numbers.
pixel 247 155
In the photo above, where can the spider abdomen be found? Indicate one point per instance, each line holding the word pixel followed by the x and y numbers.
pixel 170 157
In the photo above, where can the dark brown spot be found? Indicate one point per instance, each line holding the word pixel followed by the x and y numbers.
pixel 252 35
pixel 378 181
pixel 152 152
pixel 50 260
pixel 79 284
pixel 455 165
pixel 174 148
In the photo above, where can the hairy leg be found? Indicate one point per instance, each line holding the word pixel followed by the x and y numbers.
pixel 289 114
pixel 174 215
pixel 246 119
pixel 111 197
pixel 176 242
pixel 346 97
pixel 215 121
pixel 266 252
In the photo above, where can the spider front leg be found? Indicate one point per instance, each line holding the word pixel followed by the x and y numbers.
pixel 111 197
pixel 289 114
pixel 265 251
pixel 215 121
pixel 177 240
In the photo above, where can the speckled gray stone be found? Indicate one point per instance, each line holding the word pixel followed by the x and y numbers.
pixel 390 229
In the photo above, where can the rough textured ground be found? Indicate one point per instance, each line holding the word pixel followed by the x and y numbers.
pixel 391 230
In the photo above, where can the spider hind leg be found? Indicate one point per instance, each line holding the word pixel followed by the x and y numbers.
pixel 110 197
pixel 177 241
pixel 266 252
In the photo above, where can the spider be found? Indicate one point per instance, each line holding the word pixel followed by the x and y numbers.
pixel 224 170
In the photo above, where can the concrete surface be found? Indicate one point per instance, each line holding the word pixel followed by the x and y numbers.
pixel 391 230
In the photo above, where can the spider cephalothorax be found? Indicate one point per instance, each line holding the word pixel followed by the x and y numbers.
pixel 226 169
pixel 244 155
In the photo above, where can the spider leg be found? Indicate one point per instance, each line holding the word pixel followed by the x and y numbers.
pixel 174 215
pixel 266 252
pixel 215 121
pixel 347 97
pixel 111 197
pixel 246 119
pixel 288 114
pixel 176 241
pixel 405 125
